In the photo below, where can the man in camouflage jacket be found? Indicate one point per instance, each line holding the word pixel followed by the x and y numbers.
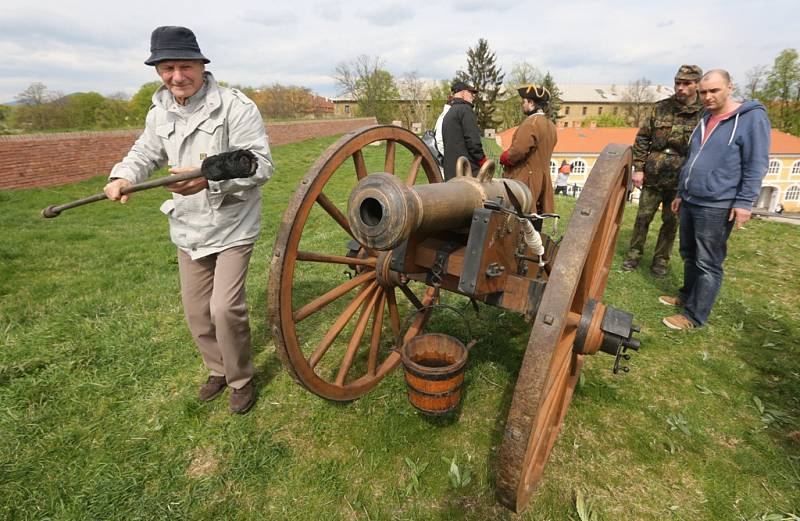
pixel 659 152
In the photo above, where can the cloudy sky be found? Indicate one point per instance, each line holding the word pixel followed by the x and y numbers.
pixel 73 46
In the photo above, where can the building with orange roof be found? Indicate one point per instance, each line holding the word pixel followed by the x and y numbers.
pixel 582 146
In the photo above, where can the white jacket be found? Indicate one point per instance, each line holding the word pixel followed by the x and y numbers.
pixel 218 120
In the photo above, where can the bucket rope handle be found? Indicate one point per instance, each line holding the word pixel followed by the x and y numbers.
pixel 407 323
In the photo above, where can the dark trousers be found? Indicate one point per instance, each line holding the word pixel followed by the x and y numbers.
pixel 703 247
pixel 561 190
pixel 649 201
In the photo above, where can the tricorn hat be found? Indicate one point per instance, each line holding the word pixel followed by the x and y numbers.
pixel 172 42
pixel 689 73
pixel 459 85
pixel 535 93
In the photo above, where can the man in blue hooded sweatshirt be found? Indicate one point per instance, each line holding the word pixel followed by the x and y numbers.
pixel 728 158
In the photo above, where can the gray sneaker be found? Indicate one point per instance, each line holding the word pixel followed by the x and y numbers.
pixel 658 270
pixel 630 264
pixel 242 399
pixel 212 388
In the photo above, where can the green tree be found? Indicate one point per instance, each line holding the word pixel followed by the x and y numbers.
pixel 370 85
pixel 113 113
pixel 79 111
pixel 606 120
pixel 782 91
pixel 140 103
pixel 486 76
pixel 555 97
pixel 439 94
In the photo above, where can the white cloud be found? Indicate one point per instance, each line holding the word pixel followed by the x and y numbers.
pixel 98 46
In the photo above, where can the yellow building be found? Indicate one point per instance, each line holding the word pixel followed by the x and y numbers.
pixel 582 146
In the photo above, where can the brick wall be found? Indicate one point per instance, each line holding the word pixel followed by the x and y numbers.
pixel 38 160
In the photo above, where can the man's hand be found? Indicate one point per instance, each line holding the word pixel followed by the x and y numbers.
pixel 740 215
pixel 675 205
pixel 190 186
pixel 113 190
pixel 638 179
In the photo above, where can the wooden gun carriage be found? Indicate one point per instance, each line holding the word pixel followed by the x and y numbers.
pixel 405 236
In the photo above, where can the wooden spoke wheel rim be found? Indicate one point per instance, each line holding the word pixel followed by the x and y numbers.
pixel 550 369
pixel 371 319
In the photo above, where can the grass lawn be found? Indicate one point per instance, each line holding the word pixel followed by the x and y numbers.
pixel 99 417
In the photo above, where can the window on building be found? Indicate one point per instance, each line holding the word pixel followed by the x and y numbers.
pixel 347 109
pixel 599 111
pixel 583 111
pixel 795 168
pixel 774 167
pixel 553 169
pixel 566 110
pixel 792 194
pixel 579 167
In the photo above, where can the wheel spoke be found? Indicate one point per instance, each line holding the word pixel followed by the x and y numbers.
pixel 328 297
pixel 388 165
pixel 375 340
pixel 414 170
pixel 335 259
pixel 355 339
pixel 334 212
pixel 394 313
pixel 341 321
pixel 361 166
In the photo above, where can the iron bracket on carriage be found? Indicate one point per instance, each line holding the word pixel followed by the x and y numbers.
pixel 407 237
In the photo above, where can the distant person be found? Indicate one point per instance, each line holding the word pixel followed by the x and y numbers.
pixel 213 223
pixel 460 133
pixel 728 159
pixel 437 133
pixel 659 151
pixel 528 157
pixel 562 178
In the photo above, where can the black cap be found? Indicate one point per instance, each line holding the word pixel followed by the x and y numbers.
pixel 535 93
pixel 171 42
pixel 459 85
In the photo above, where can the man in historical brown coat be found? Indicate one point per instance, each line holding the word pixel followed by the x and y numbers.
pixel 528 157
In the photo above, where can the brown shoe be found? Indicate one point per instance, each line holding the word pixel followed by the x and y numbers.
pixel 679 322
pixel 669 300
pixel 242 399
pixel 212 388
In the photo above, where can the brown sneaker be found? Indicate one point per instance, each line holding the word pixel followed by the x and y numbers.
pixel 630 264
pixel 212 388
pixel 242 399
pixel 679 322
pixel 669 300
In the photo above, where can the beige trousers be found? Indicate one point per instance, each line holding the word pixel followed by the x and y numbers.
pixel 212 290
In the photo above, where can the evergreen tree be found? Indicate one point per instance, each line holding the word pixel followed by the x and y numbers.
pixel 555 97
pixel 484 74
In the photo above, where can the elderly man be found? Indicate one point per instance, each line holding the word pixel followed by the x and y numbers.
pixel 728 158
pixel 460 132
pixel 658 153
pixel 528 157
pixel 213 223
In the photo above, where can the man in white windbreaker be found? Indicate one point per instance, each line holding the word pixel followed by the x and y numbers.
pixel 214 224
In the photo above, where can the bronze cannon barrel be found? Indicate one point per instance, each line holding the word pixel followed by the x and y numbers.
pixel 383 211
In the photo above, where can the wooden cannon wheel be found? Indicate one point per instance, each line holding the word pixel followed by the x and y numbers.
pixel 550 369
pixel 307 302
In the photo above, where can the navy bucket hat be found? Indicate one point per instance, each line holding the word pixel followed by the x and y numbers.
pixel 172 42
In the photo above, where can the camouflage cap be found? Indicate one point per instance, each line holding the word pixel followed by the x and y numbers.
pixel 689 72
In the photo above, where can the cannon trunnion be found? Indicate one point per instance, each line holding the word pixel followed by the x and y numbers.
pixel 405 237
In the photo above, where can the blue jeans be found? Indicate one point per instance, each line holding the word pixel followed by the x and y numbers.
pixel 703 247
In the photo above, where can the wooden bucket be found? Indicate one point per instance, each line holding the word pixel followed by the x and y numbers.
pixel 434 371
